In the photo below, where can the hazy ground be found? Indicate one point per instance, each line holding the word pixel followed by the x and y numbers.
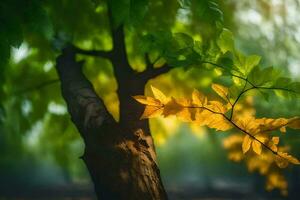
pixel 84 192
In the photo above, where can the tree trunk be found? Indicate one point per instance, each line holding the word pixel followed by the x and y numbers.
pixel 120 156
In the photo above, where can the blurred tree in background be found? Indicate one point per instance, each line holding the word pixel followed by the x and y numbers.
pixel 38 143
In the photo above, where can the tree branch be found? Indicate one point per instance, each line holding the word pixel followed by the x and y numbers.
pixel 150 73
pixel 148 62
pixel 97 53
pixel 87 110
pixel 238 98
pixel 119 55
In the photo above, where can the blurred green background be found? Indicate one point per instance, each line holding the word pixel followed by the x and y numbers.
pixel 40 147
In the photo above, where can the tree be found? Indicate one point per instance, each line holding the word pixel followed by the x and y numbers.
pixel 119 153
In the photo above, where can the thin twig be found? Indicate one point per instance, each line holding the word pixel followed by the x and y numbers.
pixel 237 99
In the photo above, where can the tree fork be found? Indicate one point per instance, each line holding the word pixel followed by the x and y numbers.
pixel 120 159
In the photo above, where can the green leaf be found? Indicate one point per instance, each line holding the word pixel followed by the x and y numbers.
pixel 137 12
pixel 225 41
pixel 264 94
pixel 258 76
pixel 183 40
pixel 245 64
pixel 120 11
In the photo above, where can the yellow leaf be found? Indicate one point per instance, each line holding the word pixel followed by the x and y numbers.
pixel 249 124
pixel 217 106
pixel 152 111
pixel 218 122
pixel 246 143
pixel 221 91
pixel 290 158
pixel 232 141
pixel 281 163
pixel 202 116
pixel 188 111
pixel 275 140
pixel 147 100
pixel 294 123
pixel 283 129
pixel 235 156
pixel 273 144
pixel 256 146
pixel 283 159
pixel 158 94
pixel 172 108
pixel 267 124
pixel 198 98
pixel 276 180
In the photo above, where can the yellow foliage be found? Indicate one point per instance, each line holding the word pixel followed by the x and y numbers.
pixel 277 180
pixel 283 159
pixel 233 144
pixel 263 154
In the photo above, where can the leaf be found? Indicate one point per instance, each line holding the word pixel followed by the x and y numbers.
pixel 277 180
pixel 147 100
pixel 283 159
pixel 151 111
pixel 218 122
pixel 268 124
pixel 294 123
pixel 256 146
pixel 251 62
pixel 183 40
pixel 158 94
pixel 120 11
pixel 225 41
pixel 246 144
pixel 283 129
pixel 188 112
pixel 137 12
pixel 245 64
pixel 273 144
pixel 198 98
pixel 217 107
pixel 221 91
pixel 172 108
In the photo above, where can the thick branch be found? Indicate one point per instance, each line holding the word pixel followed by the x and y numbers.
pixel 98 53
pixel 86 108
pixel 151 72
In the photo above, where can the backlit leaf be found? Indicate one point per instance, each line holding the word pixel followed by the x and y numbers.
pixel 225 41
pixel 151 111
pixel 158 94
pixel 221 91
pixel 246 143
pixel 147 100
pixel 257 147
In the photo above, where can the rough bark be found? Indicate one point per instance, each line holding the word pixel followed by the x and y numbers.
pixel 120 156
